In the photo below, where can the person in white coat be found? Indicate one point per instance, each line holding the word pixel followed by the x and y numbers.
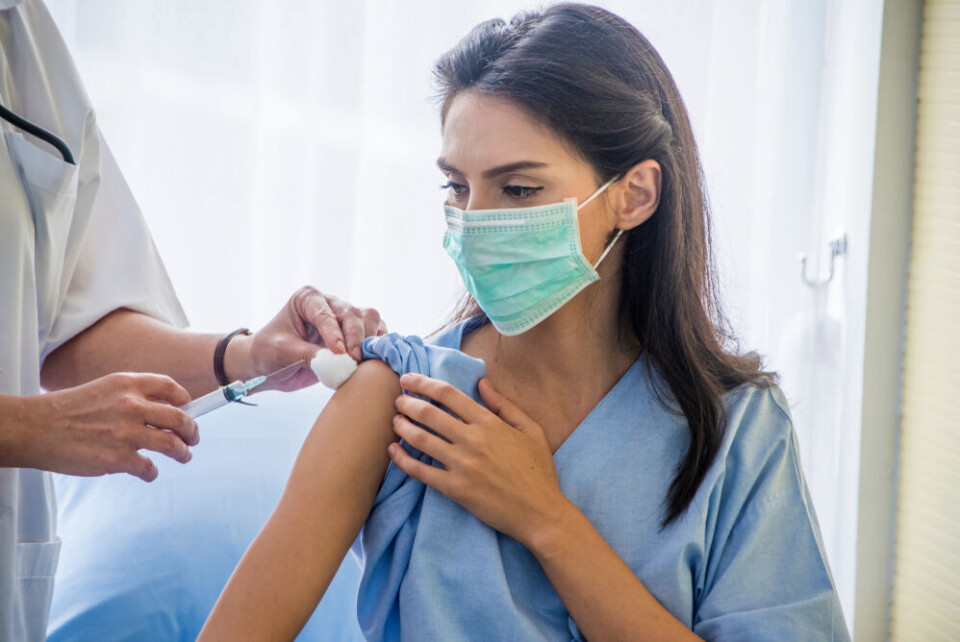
pixel 83 294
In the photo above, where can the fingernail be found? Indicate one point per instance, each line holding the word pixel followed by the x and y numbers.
pixel 189 455
pixel 392 449
pixel 396 401
pixel 340 347
pixel 406 379
pixel 396 418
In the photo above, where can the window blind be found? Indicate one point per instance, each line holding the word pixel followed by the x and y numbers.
pixel 926 585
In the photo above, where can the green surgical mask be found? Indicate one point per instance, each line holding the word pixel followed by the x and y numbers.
pixel 521 265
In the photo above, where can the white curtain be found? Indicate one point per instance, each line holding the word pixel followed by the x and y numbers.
pixel 274 144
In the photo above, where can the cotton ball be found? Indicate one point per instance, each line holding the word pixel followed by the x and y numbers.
pixel 332 369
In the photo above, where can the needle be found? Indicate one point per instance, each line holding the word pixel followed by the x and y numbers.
pixel 292 367
pixel 235 391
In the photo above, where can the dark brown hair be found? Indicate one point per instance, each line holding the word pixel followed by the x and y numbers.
pixel 596 82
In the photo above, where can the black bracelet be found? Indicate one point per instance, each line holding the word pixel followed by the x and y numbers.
pixel 219 353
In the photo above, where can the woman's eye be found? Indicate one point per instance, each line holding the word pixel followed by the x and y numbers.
pixel 521 191
pixel 458 189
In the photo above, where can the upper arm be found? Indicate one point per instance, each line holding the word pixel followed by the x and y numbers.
pixel 112 260
pixel 78 360
pixel 286 570
pixel 345 455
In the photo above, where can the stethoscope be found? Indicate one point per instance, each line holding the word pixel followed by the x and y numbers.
pixel 39 132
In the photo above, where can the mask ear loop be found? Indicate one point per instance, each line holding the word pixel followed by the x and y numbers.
pixel 609 247
pixel 619 232
pixel 598 192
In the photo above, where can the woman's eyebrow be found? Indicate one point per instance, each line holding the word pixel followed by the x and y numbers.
pixel 496 171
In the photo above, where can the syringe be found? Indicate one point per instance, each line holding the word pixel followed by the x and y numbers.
pixel 221 397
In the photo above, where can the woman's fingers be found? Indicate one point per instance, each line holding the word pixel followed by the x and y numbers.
pixel 444 394
pixel 429 475
pixel 422 440
pixel 437 420
pixel 504 408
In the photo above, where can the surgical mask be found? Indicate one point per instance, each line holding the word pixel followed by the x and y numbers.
pixel 521 265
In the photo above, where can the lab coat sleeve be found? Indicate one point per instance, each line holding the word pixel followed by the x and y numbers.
pixel 767 575
pixel 117 265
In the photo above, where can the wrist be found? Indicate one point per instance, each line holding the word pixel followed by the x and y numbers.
pixel 548 535
pixel 238 359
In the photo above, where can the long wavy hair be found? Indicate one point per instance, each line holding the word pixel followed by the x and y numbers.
pixel 598 83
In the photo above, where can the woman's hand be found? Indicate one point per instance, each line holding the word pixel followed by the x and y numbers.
pixel 498 464
pixel 499 467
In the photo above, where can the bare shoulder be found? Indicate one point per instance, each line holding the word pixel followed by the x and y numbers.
pixel 370 392
pixel 373 378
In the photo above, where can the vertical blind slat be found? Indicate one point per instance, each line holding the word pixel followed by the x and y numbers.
pixel 926 586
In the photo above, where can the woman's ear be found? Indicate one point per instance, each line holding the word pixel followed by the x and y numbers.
pixel 638 194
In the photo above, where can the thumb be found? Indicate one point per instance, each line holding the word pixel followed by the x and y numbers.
pixel 506 409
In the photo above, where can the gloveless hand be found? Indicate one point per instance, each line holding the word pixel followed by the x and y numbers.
pixel 498 464
pixel 99 427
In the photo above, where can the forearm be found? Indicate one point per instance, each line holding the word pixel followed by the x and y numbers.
pixel 288 567
pixel 13 430
pixel 126 341
pixel 602 594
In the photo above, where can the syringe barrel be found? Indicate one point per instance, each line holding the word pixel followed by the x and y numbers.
pixel 206 403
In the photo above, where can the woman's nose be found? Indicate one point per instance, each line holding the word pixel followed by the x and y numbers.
pixel 480 202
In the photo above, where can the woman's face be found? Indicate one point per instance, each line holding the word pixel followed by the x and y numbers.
pixel 496 156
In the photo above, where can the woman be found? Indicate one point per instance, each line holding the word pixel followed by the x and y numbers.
pixel 641 481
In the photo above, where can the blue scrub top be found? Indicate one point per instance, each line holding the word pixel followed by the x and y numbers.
pixel 744 562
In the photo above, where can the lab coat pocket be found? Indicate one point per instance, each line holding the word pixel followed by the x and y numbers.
pixel 36 566
pixel 41 169
pixel 50 187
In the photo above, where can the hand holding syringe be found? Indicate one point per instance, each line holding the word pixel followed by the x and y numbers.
pixel 331 369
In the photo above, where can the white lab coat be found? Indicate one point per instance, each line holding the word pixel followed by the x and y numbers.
pixel 73 247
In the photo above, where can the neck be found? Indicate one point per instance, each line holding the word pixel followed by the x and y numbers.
pixel 579 342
